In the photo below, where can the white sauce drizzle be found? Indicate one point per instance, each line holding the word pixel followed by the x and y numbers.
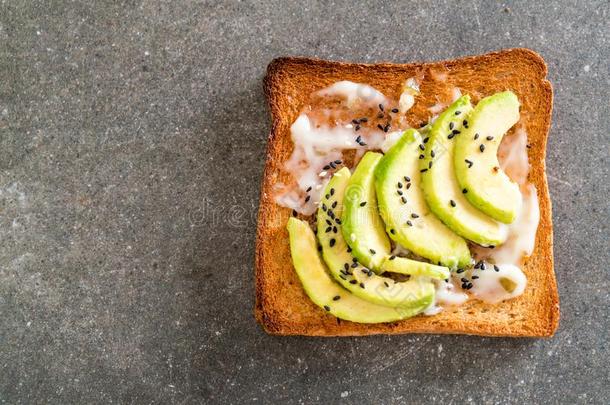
pixel 354 93
pixel 488 287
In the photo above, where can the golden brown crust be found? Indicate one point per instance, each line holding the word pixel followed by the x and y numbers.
pixel 282 307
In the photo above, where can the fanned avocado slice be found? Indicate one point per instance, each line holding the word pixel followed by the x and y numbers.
pixel 443 193
pixel 476 157
pixel 402 205
pixel 344 267
pixel 327 294
pixel 402 265
pixel 362 227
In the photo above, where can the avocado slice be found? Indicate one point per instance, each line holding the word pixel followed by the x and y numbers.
pixel 402 265
pixel 441 189
pixel 324 292
pixel 404 210
pixel 345 268
pixel 476 161
pixel 362 226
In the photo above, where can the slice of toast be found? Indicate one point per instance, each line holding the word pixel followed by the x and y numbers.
pixel 282 307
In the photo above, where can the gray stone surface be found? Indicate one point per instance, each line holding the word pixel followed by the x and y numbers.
pixel 132 139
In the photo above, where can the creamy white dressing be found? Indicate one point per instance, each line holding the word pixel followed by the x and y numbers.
pixel 407 98
pixel 315 146
pixel 354 93
pixel 496 286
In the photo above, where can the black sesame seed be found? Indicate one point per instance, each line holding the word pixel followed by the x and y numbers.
pixel 308 189
pixel 327 167
pixel 353 282
pixel 342 277
pixel 381 107
pixel 363 203
pixel 394 110
pixel 399 185
pixel 455 132
pixel 357 128
pixel 332 165
pixel 392 257
pixel 355 121
pixel 338 221
pixel 328 221
pixel 334 229
pixel 349 249
pixel 490 138
pixel 528 146
pixel 372 251
pixel 414 215
pixel 358 139
pixel 336 298
pixel 464 191
pixel 477 265
pixel 426 139
pixel 380 115
pixel 331 214
pixel 307 198
pixel 464 280
pixel 346 266
pixel 362 144
pixel 450 136
pixel 294 213
pixel 399 192
pixel 407 179
pixel 392 231
pixel 408 186
pixel 496 268
pixel 476 136
pixel 451 125
pixel 409 223
pixel 326 307
pixel 332 191
pixel 460 271
pixel 458 112
pixel 475 277
pixel 422 147
pixel 327 196
pixel 464 286
pixel 403 199
pixel 328 229
pixel 380 126
pixel 338 162
pixel 334 204
pixel 332 242
pixel 452 203
pixel 386 284
pixel 469 286
pixel 364 119
pixel 432 154
pixel 386 128
pixel 483 266
pixel 469 163
pixel 354 265
pixel 361 285
pixel 421 156
pixel 355 260
pixel 423 170
pixel 430 165
pixel 482 148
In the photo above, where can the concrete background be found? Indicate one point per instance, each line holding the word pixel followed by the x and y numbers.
pixel 132 139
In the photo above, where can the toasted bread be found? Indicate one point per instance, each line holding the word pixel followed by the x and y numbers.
pixel 282 307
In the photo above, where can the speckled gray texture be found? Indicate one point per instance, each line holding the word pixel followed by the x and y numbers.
pixel 132 140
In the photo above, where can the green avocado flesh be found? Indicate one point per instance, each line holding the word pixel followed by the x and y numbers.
pixel 446 199
pixel 401 265
pixel 362 227
pixel 345 268
pixel 404 210
pixel 327 294
pixel 476 162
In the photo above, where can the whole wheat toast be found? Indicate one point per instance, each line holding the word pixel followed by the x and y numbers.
pixel 282 307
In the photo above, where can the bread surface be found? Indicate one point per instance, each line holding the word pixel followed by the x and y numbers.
pixel 282 307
